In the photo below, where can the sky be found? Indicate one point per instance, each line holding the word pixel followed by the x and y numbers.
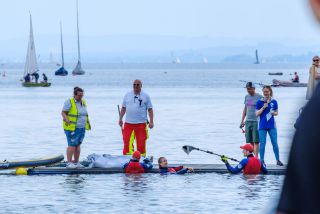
pixel 211 18
pixel 226 22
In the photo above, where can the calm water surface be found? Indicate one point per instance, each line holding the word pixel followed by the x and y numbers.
pixel 194 104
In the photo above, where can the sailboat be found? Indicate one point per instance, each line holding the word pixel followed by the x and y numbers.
pixel 31 66
pixel 61 71
pixel 205 60
pixel 175 60
pixel 78 69
pixel 257 58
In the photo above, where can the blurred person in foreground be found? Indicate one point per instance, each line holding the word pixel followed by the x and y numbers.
pixel 314 77
pixel 301 188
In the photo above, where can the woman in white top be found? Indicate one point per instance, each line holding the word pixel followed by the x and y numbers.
pixel 314 77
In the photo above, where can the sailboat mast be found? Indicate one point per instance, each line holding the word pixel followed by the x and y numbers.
pixel 62 57
pixel 78 33
pixel 257 58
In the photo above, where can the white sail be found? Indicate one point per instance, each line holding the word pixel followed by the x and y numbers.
pixel 205 60
pixel 176 61
pixel 78 69
pixel 31 65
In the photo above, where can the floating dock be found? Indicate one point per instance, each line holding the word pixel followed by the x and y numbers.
pixel 198 168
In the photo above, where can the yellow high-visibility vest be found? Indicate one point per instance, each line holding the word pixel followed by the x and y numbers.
pixel 73 117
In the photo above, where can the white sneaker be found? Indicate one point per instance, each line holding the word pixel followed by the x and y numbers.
pixel 71 165
pixel 79 165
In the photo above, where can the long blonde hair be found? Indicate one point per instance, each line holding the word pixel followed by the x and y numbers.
pixel 269 88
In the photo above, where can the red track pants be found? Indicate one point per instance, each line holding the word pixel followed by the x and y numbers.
pixel 138 132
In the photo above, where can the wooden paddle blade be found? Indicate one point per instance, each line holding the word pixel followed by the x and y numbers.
pixel 187 149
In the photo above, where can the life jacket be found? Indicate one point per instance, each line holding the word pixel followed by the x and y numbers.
pixel 172 170
pixel 253 166
pixel 134 167
pixel 73 117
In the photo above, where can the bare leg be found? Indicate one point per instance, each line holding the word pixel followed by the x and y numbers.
pixel 77 154
pixel 256 149
pixel 70 153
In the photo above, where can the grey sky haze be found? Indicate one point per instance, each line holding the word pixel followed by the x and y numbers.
pixel 132 27
pixel 211 18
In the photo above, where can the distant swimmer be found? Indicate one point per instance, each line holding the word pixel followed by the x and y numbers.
pixel 164 169
pixel 134 166
pixel 296 77
pixel 4 74
pixel 136 105
pixel 250 165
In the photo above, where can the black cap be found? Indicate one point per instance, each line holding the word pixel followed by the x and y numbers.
pixel 250 85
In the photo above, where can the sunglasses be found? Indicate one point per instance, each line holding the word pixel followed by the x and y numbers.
pixel 136 84
pixel 316 60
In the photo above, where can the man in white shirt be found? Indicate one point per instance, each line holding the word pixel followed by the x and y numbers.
pixel 136 104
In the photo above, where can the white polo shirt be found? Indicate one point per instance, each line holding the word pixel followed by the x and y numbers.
pixel 136 107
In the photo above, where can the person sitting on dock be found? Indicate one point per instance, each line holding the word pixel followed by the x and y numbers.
pixel 250 164
pixel 296 77
pixel 45 78
pixel 27 78
pixel 135 167
pixel 164 169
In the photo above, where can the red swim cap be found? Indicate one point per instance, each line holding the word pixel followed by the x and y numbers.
pixel 136 155
pixel 247 147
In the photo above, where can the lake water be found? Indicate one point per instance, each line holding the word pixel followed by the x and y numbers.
pixel 197 105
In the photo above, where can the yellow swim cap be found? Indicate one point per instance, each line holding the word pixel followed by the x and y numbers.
pixel 21 171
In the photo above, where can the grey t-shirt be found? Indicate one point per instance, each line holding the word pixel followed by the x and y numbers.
pixel 82 112
pixel 250 103
pixel 136 107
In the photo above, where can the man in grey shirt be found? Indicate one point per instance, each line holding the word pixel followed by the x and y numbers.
pixel 250 118
pixel 136 105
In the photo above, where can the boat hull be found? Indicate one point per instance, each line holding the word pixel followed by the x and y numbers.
pixel 276 73
pixel 61 72
pixel 279 83
pixel 31 163
pixel 32 84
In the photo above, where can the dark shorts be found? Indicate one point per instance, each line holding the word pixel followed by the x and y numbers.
pixel 252 133
pixel 75 138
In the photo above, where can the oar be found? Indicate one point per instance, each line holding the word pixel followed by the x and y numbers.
pixel 188 149
pixel 119 116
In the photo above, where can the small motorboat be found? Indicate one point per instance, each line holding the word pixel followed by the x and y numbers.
pixel 280 83
pixel 275 73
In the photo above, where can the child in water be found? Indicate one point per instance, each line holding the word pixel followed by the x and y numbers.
pixel 164 169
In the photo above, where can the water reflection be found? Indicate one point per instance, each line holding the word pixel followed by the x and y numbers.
pixel 134 183
pixel 255 185
pixel 74 183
